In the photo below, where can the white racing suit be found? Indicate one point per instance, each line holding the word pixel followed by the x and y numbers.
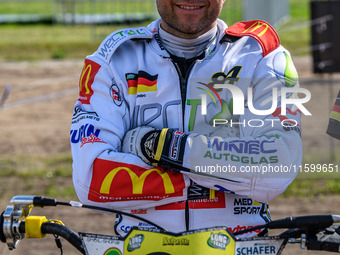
pixel 131 81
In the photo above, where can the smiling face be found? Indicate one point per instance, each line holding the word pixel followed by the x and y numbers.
pixel 189 18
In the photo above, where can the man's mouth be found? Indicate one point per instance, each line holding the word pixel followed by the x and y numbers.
pixel 190 7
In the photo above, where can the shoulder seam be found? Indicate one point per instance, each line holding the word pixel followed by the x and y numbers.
pixel 115 39
pixel 260 30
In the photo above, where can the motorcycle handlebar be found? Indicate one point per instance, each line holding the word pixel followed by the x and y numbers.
pixel 315 222
pixel 325 240
pixel 60 230
pixel 12 224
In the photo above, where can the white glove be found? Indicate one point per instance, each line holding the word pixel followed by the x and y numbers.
pixel 156 147
pixel 132 143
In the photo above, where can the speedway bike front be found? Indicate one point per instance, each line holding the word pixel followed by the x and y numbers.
pixel 313 232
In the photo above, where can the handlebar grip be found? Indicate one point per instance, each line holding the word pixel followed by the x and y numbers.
pixel 60 230
pixel 314 222
pixel 63 231
pixel 44 201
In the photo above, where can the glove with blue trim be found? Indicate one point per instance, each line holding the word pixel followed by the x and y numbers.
pixel 157 147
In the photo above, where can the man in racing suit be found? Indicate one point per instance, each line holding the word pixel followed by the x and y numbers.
pixel 182 122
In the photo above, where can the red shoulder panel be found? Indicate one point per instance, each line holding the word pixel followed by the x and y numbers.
pixel 259 30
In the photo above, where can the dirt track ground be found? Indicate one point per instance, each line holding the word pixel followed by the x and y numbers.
pixel 36 119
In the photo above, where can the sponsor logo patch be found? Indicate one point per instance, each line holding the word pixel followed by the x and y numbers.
pixel 84 131
pixel 91 139
pixel 246 206
pixel 115 181
pixel 135 242
pixel 218 241
pixel 202 203
pixel 141 82
pixel 239 228
pixel 87 76
pixel 116 95
pixel 175 145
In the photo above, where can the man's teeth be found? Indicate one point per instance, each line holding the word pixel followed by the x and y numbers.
pixel 190 7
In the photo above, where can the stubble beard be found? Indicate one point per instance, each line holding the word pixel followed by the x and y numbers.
pixel 190 27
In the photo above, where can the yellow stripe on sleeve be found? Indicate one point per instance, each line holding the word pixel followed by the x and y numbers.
pixel 161 144
pixel 212 194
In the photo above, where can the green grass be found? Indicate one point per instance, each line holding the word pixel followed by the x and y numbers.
pixel 22 7
pixel 36 175
pixel 232 8
pixel 302 187
pixel 51 7
pixel 33 42
pixel 299 10
pixel 46 41
pixel 295 34
pixel 27 166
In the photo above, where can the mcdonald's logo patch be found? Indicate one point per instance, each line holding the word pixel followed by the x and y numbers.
pixel 257 28
pixel 115 181
pixel 141 82
pixel 90 70
pixel 260 30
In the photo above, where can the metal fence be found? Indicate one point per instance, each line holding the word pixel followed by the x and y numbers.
pixel 103 11
pixel 118 11
pixel 76 11
pixel 92 11
pixel 125 11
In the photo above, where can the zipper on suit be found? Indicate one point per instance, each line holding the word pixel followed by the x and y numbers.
pixel 183 85
pixel 187 220
pixel 183 88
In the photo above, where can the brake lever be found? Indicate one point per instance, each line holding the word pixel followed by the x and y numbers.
pixel 325 240
pixel 19 208
pixel 338 230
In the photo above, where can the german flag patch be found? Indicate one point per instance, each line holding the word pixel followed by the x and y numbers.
pixel 334 120
pixel 141 82
pixel 335 114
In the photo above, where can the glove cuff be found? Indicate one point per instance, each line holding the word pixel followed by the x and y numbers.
pixel 166 145
pixel 149 144
pixel 171 146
